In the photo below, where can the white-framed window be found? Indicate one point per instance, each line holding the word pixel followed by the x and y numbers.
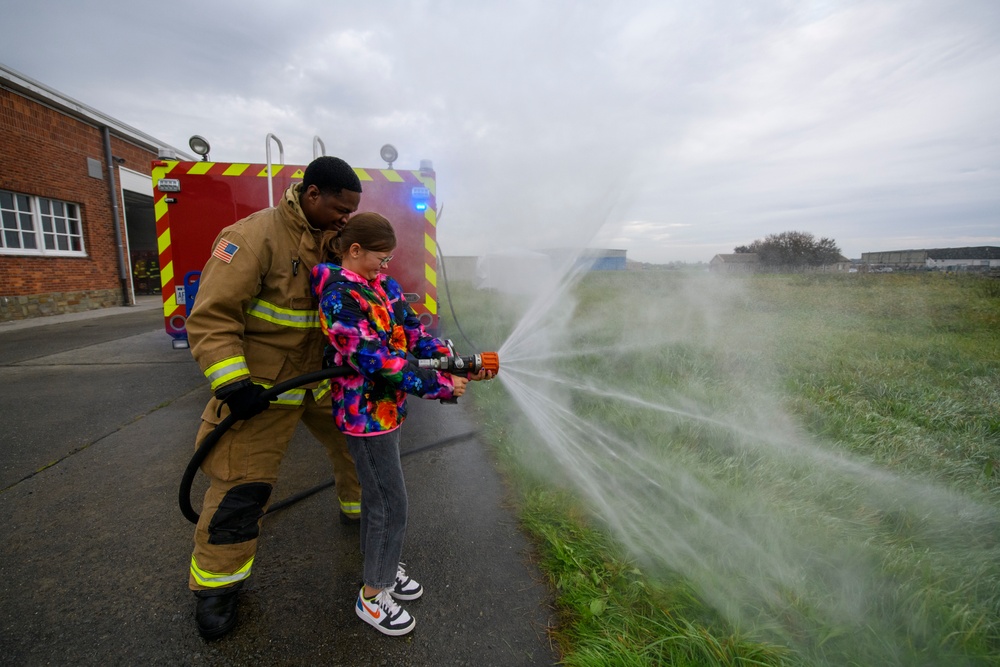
pixel 32 225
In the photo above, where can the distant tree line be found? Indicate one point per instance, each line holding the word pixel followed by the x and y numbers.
pixel 793 249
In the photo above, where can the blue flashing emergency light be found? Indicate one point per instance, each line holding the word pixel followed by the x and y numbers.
pixel 421 198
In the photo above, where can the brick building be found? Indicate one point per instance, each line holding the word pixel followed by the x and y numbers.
pixel 77 229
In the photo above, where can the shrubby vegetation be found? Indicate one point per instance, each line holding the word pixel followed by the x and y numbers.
pixel 793 249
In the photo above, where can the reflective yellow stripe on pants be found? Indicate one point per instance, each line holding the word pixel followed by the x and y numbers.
pixel 350 509
pixel 216 579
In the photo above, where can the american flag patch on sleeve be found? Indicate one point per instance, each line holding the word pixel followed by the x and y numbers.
pixel 225 250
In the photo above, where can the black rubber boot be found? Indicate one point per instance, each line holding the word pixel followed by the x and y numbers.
pixel 216 611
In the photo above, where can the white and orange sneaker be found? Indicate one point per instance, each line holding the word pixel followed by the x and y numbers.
pixel 382 613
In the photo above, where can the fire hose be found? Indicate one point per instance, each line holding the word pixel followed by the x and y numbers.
pixel 453 364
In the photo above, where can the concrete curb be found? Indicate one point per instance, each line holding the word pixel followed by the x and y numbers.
pixel 142 303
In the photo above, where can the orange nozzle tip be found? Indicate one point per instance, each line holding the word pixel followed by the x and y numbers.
pixel 491 361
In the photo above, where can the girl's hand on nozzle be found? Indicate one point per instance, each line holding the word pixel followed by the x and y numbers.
pixel 460 383
pixel 483 374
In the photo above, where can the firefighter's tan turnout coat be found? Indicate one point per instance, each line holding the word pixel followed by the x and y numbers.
pixel 255 318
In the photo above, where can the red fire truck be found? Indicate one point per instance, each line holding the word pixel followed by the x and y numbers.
pixel 193 201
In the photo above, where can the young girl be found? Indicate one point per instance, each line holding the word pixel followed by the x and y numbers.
pixel 370 328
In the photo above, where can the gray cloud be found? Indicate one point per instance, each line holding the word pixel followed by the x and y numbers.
pixel 676 130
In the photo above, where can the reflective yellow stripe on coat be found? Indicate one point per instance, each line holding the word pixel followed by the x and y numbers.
pixel 286 317
pixel 321 390
pixel 227 370
pixel 290 397
pixel 296 396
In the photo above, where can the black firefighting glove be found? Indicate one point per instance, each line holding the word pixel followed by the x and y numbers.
pixel 243 398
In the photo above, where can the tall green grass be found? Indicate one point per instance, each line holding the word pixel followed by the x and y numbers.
pixel 901 372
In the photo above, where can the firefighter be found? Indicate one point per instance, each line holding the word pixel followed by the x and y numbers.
pixel 255 324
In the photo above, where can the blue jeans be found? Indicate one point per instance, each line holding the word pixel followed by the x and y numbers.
pixel 383 505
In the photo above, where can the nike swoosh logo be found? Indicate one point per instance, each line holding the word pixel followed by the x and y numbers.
pixel 376 612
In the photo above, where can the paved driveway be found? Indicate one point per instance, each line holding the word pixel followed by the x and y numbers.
pixel 97 425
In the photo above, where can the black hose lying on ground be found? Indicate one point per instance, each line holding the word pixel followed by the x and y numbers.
pixel 206 445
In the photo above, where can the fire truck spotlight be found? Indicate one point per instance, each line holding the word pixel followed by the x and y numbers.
pixel 389 154
pixel 200 146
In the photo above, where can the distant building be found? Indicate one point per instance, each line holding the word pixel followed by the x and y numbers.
pixel 976 258
pixel 842 265
pixel 604 260
pixel 459 267
pixel 591 259
pixel 521 271
pixel 70 240
pixel 740 262
pixel 515 271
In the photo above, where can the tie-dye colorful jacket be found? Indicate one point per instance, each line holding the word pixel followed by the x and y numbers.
pixel 370 328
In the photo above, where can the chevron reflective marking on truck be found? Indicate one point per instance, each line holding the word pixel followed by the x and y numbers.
pixel 430 228
pixel 170 307
pixel 200 198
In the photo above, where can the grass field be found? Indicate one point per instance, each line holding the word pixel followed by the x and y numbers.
pixel 784 469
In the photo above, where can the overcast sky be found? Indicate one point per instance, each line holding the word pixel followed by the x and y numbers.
pixel 675 130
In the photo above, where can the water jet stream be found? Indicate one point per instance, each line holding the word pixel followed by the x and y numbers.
pixel 771 526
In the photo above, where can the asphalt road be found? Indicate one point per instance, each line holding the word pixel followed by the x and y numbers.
pixel 98 422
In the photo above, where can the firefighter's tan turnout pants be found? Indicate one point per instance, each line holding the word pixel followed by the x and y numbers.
pixel 243 468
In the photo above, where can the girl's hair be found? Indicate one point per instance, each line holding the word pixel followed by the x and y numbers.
pixel 369 230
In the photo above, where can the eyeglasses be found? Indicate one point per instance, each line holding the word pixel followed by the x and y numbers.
pixel 384 262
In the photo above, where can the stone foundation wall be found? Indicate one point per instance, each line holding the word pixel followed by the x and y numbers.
pixel 56 303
